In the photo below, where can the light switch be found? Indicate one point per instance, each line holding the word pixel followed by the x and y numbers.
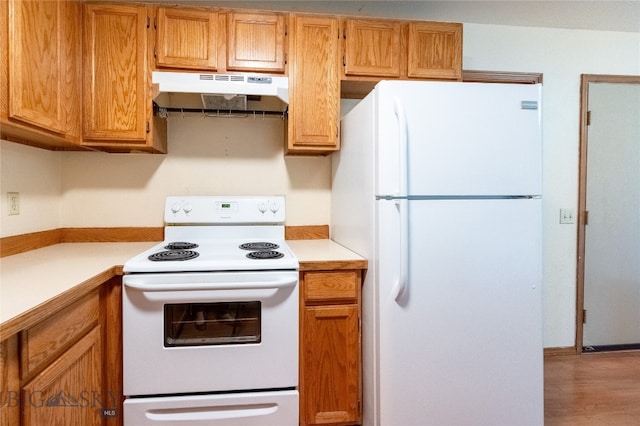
pixel 567 216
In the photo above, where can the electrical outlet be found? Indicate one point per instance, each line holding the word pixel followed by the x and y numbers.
pixel 13 203
pixel 567 216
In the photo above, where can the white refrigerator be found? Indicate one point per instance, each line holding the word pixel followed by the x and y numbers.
pixel 438 184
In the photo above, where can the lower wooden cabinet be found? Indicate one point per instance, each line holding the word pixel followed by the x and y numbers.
pixel 330 348
pixel 66 369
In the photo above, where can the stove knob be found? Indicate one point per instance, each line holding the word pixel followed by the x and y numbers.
pixel 187 208
pixel 175 208
pixel 274 207
pixel 262 207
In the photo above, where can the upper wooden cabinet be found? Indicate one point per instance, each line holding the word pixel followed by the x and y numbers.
pixel 434 50
pixel 117 107
pixel 372 47
pixel 211 40
pixel 314 86
pixel 41 74
pixel 256 42
pixel 401 49
pixel 187 38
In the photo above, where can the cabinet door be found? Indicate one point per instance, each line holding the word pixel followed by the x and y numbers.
pixel 44 64
pixel 435 50
pixel 256 42
pixel 69 391
pixel 330 364
pixel 187 39
pixel 372 48
pixel 116 74
pixel 314 86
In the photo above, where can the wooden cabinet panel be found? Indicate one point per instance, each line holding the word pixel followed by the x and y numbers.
pixel 314 86
pixel 117 107
pixel 376 48
pixel 372 48
pixel 435 50
pixel 255 42
pixel 331 365
pixel 45 340
pixel 66 391
pixel 9 382
pixel 187 38
pixel 44 65
pixel 331 286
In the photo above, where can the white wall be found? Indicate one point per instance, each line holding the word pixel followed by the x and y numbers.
pixel 222 156
pixel 36 174
pixel 207 156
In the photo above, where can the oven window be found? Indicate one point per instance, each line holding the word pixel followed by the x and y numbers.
pixel 200 324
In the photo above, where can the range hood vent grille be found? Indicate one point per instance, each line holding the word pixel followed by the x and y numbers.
pixel 219 102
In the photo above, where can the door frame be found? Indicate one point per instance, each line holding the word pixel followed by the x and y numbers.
pixel 585 80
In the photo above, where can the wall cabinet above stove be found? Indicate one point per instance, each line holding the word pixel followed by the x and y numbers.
pixel 117 109
pixel 220 41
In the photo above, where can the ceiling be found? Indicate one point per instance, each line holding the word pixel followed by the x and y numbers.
pixel 612 15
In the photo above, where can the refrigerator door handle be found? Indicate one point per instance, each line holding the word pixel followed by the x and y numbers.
pixel 400 287
pixel 403 146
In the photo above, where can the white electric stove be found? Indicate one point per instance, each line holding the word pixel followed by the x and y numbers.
pixel 210 317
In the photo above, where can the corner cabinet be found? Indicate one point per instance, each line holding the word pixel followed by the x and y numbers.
pixel 41 72
pixel 117 108
pixel 314 86
pixel 330 348
pixel 66 368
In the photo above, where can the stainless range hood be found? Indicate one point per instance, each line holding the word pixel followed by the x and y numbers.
pixel 220 92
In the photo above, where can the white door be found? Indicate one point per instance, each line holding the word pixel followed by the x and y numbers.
pixel 461 344
pixel 612 236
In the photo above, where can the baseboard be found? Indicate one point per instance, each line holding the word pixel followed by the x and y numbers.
pixel 559 351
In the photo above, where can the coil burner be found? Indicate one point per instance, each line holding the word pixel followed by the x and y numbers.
pixel 260 245
pixel 180 245
pixel 270 254
pixel 173 255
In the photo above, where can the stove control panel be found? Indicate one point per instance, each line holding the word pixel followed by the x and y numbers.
pixel 224 210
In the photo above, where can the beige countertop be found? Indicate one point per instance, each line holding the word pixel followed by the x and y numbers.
pixel 32 279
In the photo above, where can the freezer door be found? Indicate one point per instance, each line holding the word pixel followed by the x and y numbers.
pixel 461 339
pixel 234 409
pixel 449 138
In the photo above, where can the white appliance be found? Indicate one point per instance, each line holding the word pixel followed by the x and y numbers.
pixel 210 318
pixel 438 184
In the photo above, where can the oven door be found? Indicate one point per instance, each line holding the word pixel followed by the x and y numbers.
pixel 235 409
pixel 210 332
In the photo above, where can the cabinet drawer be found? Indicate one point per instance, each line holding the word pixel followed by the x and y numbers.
pixel 326 286
pixel 44 341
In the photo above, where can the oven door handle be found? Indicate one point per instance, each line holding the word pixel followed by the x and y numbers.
pixel 249 285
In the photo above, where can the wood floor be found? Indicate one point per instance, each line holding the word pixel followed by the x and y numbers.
pixel 600 389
